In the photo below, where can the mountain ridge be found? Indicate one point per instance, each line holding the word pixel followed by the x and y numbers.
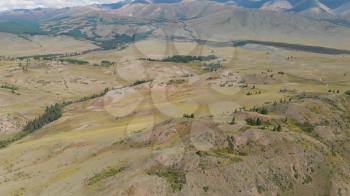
pixel 290 5
pixel 127 21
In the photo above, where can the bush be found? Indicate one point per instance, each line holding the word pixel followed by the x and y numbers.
pixel 188 115
pixel 261 110
pixel 205 188
pixel 233 121
pixel 176 82
pixel 106 63
pixel 306 127
pixel 254 121
pixel 175 177
pixel 8 86
pixel 277 128
pixel 110 172
pixel 347 92
pixel 211 66
pixel 138 82
pixel 15 137
pixel 104 92
pixel 307 179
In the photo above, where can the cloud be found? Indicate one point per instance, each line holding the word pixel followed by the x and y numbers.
pixel 27 4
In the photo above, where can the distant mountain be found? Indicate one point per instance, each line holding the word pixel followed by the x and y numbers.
pixel 277 5
pixel 313 22
pixel 331 9
pixel 301 4
pixel 336 8
pixel 126 2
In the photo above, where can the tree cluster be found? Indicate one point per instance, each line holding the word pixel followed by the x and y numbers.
pixel 188 58
pixel 74 61
pixel 51 114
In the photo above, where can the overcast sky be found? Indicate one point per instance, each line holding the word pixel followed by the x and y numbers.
pixel 16 4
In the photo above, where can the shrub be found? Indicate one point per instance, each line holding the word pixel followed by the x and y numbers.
pixel 176 82
pixel 254 121
pixel 106 63
pixel 211 66
pixel 307 179
pixel 205 188
pixel 8 86
pixel 261 110
pixel 104 92
pixel 233 121
pixel 277 128
pixel 347 92
pixel 138 82
pixel 202 153
pixel 110 172
pixel 306 127
pixel 175 177
pixel 188 115
pixel 15 137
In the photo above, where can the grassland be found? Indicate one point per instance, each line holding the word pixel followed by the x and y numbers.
pixel 14 45
pixel 142 125
pixel 50 82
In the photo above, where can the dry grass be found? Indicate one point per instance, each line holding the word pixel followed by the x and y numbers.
pixel 83 137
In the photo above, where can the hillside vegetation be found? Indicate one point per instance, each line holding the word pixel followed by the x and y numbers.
pixel 20 27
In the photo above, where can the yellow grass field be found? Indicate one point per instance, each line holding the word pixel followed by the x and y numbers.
pixel 117 129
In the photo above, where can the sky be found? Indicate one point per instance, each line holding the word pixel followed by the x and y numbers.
pixel 25 4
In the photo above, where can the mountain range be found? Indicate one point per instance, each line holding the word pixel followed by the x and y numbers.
pixel 332 7
pixel 310 22
pixel 336 8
